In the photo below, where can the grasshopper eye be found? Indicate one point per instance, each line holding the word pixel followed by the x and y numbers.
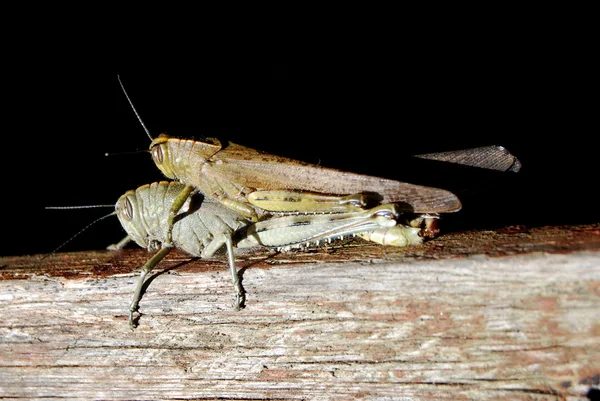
pixel 127 208
pixel 157 154
pixel 385 214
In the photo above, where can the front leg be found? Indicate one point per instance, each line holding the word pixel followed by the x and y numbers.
pixel 119 245
pixel 147 268
pixel 175 207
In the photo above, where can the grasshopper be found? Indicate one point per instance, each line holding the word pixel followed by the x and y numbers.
pixel 254 183
pixel 203 226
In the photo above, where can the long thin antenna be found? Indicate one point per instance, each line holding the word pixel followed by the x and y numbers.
pixel 76 207
pixel 131 152
pixel 79 232
pixel 134 110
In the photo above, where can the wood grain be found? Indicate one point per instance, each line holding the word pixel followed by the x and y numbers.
pixel 512 314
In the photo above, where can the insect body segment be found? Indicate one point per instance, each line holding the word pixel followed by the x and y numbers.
pixel 291 231
pixel 399 235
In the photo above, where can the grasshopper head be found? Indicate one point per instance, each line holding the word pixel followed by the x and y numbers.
pixel 175 157
pixel 128 213
pixel 159 149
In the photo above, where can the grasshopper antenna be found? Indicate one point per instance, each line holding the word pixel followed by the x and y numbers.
pixel 77 207
pixel 134 110
pixel 83 229
pixel 132 152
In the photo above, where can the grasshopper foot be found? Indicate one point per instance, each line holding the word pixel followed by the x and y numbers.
pixel 240 300
pixel 133 321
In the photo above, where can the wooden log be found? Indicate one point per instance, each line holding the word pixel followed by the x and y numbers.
pixel 512 314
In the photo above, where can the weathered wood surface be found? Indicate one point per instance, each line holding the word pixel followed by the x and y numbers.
pixel 511 314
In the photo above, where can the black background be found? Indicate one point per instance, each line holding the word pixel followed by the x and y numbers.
pixel 355 102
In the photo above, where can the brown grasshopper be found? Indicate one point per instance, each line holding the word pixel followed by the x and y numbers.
pixel 204 226
pixel 254 183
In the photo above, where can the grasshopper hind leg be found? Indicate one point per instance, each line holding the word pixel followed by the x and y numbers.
pixel 309 202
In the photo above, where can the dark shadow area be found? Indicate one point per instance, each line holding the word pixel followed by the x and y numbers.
pixel 365 109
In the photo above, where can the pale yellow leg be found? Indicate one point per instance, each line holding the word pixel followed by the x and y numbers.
pixel 306 202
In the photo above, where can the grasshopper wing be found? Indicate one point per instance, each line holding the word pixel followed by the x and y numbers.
pixel 493 157
pixel 263 171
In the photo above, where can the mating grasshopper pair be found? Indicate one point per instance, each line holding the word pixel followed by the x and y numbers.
pixel 234 195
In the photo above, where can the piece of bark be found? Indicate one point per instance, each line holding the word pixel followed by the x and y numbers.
pixel 509 314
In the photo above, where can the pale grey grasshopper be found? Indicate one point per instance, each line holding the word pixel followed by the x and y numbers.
pixel 203 226
pixel 252 182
